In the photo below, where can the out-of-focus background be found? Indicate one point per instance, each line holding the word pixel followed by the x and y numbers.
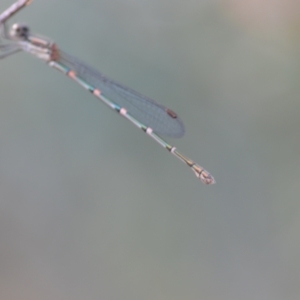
pixel 91 208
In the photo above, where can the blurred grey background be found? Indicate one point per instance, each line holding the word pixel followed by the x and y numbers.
pixel 91 208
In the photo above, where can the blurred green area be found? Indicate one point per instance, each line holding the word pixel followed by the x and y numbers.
pixel 91 208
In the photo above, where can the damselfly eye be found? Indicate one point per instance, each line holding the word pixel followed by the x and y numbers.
pixel 19 31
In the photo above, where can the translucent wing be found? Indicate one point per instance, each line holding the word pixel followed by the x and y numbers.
pixel 161 119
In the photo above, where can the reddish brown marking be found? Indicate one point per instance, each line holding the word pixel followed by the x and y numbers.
pixel 171 113
pixel 123 111
pixel 97 92
pixel 55 56
pixel 72 74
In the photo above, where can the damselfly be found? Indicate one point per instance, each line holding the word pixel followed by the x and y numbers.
pixel 142 111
